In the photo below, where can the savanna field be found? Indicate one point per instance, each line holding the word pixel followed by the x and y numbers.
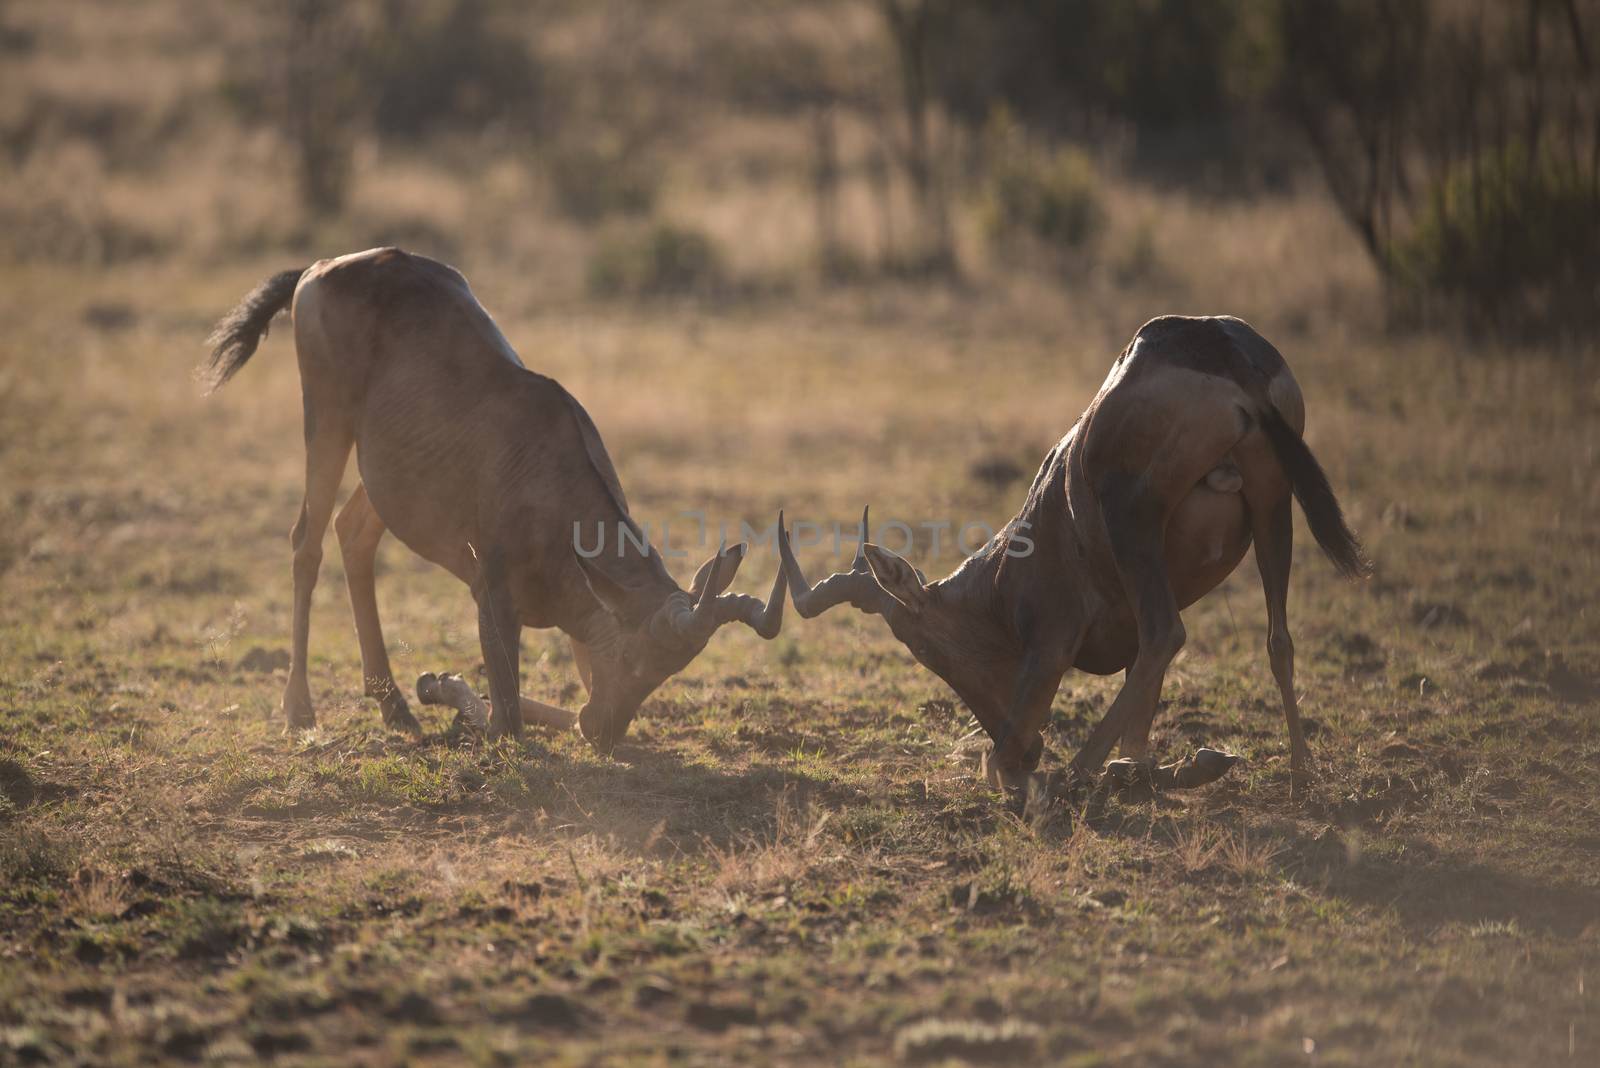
pixel 789 859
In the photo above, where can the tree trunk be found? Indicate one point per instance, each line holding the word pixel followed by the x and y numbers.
pixel 908 26
pixel 825 187
pixel 315 118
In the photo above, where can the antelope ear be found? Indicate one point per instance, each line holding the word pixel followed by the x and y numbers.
pixel 897 577
pixel 722 566
pixel 616 598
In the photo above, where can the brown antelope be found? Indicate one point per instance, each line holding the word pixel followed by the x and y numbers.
pixel 482 467
pixel 1190 451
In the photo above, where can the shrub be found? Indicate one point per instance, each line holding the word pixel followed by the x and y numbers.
pixel 1514 239
pixel 35 854
pixel 401 68
pixel 661 259
pixel 1050 196
pixel 446 64
pixel 592 181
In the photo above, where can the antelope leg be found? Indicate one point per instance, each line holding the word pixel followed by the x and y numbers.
pixel 328 444
pixel 547 715
pixel 1132 515
pixel 360 529
pixel 1201 768
pixel 1274 537
pixel 452 690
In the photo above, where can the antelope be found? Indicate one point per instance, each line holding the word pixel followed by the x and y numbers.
pixel 1190 451
pixel 484 468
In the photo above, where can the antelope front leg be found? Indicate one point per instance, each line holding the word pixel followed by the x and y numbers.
pixel 1203 767
pixel 584 660
pixel 500 635
pixel 453 691
pixel 1134 523
pixel 1019 742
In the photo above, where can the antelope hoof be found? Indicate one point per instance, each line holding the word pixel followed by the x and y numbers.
pixel 452 690
pixel 297 711
pixel 397 714
pixel 1073 784
pixel 596 732
pixel 1002 778
pixel 1127 772
pixel 428 689
pixel 1205 766
pixel 1134 779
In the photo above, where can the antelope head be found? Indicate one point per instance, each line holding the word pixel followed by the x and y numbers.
pixel 940 623
pixel 646 639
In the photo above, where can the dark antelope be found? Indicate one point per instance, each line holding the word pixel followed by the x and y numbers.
pixel 484 468
pixel 1190 451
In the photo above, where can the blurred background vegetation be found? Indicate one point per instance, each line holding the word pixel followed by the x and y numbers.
pixel 734 148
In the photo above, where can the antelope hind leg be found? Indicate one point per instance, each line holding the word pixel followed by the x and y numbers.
pixel 360 530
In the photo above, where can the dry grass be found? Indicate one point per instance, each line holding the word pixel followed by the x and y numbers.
pixel 781 858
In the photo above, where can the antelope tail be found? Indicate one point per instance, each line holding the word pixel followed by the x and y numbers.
pixel 234 339
pixel 1316 497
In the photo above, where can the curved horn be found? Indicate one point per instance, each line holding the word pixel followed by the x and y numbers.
pixel 862 537
pixel 674 619
pixel 721 574
pixel 856 587
pixel 765 619
pixel 695 621
pixel 706 578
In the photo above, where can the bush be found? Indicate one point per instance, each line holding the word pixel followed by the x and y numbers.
pixel 404 69
pixel 1513 239
pixel 593 181
pixel 446 64
pixel 1051 196
pixel 658 260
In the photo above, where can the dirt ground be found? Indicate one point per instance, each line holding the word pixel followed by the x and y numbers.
pixel 789 859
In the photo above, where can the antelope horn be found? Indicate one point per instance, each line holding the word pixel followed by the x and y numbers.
pixel 715 583
pixel 856 587
pixel 765 619
pixel 676 616
pixel 860 561
pixel 695 621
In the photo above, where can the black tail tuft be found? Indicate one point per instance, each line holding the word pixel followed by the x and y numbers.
pixel 1316 498
pixel 234 339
